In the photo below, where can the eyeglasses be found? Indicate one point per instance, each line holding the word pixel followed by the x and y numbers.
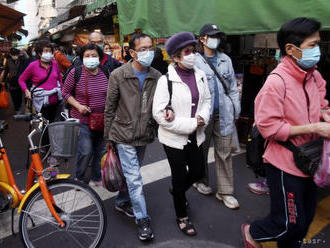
pixel 144 49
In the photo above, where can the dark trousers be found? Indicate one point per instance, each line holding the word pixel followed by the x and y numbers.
pixel 293 203
pixel 183 178
pixel 16 96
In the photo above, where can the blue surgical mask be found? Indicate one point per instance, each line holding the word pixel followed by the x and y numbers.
pixel 145 58
pixel 310 57
pixel 91 63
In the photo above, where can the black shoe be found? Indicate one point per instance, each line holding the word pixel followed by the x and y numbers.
pixel 126 208
pixel 144 229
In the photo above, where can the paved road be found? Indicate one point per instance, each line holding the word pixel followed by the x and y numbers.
pixel 217 225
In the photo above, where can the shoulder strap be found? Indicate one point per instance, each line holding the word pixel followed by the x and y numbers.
pixel 274 73
pixel 217 74
pixel 170 91
pixel 43 81
pixel 105 71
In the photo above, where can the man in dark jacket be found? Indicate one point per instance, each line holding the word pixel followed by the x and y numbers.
pixel 108 61
pixel 11 74
pixel 129 125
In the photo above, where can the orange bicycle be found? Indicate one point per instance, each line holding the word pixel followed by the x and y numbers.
pixel 55 210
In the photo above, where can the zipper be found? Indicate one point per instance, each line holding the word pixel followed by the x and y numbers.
pixel 307 98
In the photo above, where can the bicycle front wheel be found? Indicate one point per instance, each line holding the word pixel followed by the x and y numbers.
pixel 79 207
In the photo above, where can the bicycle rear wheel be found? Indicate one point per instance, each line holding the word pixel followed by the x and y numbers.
pixel 79 207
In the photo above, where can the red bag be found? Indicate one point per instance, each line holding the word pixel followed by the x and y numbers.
pixel 96 121
pixel 4 98
pixel 113 178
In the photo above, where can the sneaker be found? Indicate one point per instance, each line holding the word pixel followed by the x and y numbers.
pixel 95 183
pixel 203 189
pixel 144 229
pixel 259 188
pixel 126 208
pixel 229 201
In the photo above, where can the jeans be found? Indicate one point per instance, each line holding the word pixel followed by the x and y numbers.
pixel 91 148
pixel 131 158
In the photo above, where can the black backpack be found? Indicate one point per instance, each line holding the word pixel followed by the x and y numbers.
pixel 255 149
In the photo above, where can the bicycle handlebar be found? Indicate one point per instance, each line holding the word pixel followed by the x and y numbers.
pixel 23 117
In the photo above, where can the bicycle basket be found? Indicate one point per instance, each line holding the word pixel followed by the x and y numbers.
pixel 63 138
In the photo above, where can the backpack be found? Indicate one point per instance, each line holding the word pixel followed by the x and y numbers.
pixel 255 149
pixel 78 71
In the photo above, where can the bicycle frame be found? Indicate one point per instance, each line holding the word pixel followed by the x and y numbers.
pixel 8 183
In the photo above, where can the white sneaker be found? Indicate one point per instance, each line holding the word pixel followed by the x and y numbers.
pixel 203 189
pixel 229 201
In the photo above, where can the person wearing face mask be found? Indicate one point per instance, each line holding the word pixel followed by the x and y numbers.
pixel 182 118
pixel 47 82
pixel 108 61
pixel 290 106
pixel 225 110
pixel 88 95
pixel 107 49
pixel 11 74
pixel 129 125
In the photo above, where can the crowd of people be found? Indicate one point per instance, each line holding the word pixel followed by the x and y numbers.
pixel 188 104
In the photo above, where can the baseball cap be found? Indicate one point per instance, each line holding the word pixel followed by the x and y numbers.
pixel 209 29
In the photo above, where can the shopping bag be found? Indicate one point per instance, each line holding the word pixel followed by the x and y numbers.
pixel 322 174
pixel 4 98
pixel 113 178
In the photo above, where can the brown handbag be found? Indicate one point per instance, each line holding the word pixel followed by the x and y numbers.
pixel 95 120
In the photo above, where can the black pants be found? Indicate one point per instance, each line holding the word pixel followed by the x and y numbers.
pixel 183 178
pixel 293 203
pixel 16 96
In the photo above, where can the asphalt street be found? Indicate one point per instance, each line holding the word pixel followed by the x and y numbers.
pixel 217 226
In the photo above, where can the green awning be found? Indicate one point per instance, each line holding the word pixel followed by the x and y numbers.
pixel 163 18
pixel 98 4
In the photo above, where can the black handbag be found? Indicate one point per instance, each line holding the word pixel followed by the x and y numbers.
pixel 307 157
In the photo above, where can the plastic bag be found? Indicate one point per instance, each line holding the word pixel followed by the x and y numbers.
pixel 322 175
pixel 113 178
pixel 4 98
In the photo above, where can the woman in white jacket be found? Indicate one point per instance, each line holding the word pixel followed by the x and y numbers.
pixel 181 125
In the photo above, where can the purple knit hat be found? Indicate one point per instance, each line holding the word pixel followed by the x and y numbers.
pixel 179 40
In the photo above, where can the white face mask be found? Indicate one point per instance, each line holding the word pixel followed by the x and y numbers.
pixel 14 57
pixel 46 57
pixel 188 61
pixel 213 43
pixel 91 63
pixel 145 58
pixel 109 53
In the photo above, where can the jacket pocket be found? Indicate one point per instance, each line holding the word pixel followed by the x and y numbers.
pixel 122 130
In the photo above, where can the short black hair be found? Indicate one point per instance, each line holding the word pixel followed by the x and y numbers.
pixel 296 31
pixel 40 45
pixel 91 47
pixel 135 37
